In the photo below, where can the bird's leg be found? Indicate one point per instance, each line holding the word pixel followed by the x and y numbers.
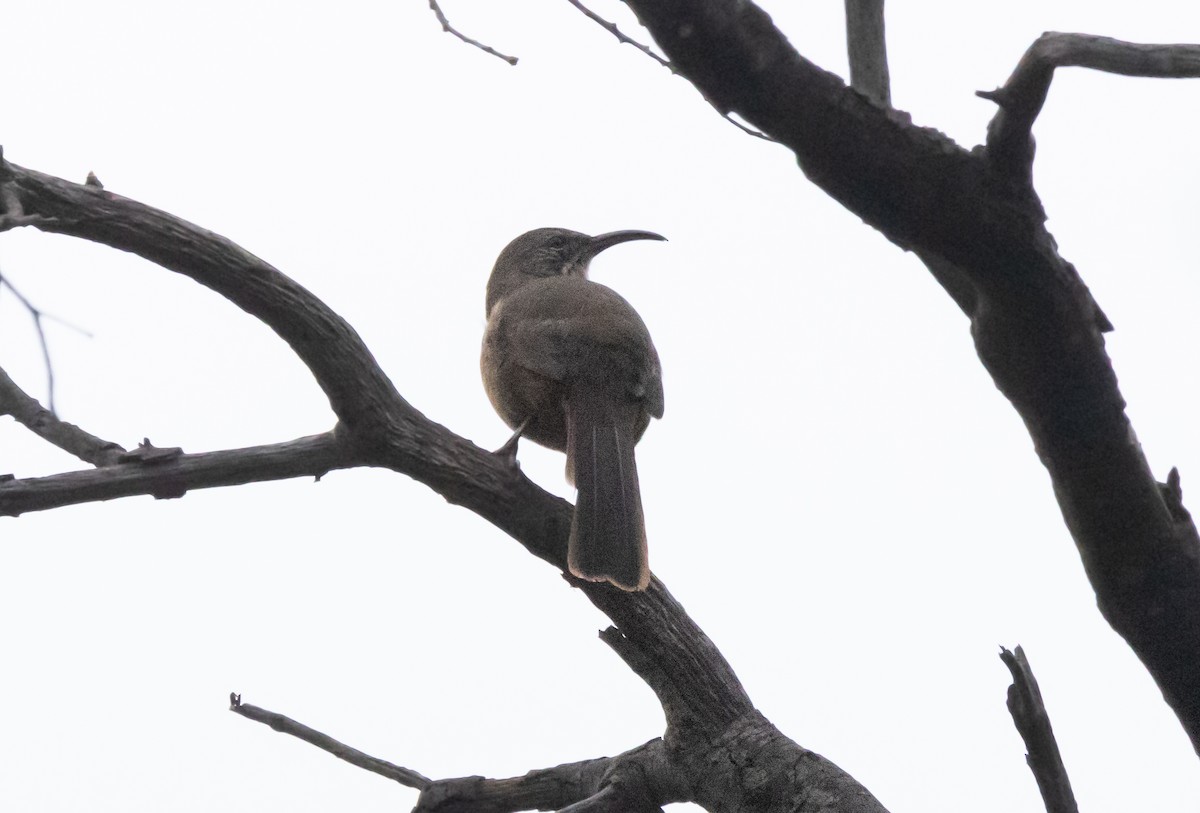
pixel 509 450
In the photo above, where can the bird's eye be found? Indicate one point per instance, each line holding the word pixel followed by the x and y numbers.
pixel 556 244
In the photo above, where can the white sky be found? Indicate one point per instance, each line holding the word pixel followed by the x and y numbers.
pixel 837 493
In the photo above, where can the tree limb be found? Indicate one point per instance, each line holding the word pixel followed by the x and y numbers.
pixel 333 352
pixel 1010 141
pixel 714 733
pixel 643 778
pixel 45 424
pixel 173 475
pixel 607 783
pixel 867 47
pixel 1036 327
pixel 286 725
pixel 1033 723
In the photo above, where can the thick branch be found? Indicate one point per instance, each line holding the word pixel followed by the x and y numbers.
pixel 640 778
pixel 1033 723
pixel 286 725
pixel 358 391
pixel 643 778
pixel 715 735
pixel 45 424
pixel 695 684
pixel 1035 325
pixel 306 457
pixel 867 47
pixel 1010 142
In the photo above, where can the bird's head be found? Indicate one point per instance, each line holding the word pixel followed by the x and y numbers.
pixel 551 252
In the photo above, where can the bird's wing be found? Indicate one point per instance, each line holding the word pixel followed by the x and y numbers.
pixel 586 331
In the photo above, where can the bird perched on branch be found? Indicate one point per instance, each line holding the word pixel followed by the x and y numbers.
pixel 569 364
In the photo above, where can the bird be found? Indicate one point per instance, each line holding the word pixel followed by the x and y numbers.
pixel 569 364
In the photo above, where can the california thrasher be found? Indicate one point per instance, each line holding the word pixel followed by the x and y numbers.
pixel 569 364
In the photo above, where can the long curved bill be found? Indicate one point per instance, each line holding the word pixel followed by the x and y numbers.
pixel 612 238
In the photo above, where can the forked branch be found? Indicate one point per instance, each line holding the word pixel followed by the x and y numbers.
pixel 1010 141
pixel 640 779
pixel 1036 327
pixel 710 719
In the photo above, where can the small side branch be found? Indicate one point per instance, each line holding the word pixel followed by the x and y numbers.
pixel 640 779
pixel 867 47
pixel 1029 713
pixel 38 316
pixel 695 684
pixel 449 29
pixel 1009 140
pixel 669 695
pixel 45 424
pixel 165 476
pixel 286 725
pixel 611 28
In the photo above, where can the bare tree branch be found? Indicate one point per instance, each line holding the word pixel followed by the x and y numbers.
pixel 287 725
pixel 611 28
pixel 642 778
pixel 594 784
pixel 449 29
pixel 12 215
pixel 1036 327
pixel 1033 723
pixel 867 47
pixel 45 424
pixel 37 316
pixel 622 37
pixel 332 350
pixel 177 474
pixel 1010 142
pixel 645 667
pixel 713 722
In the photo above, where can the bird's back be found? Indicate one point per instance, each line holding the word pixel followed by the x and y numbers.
pixel 554 334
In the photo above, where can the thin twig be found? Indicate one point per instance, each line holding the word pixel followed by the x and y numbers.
pixel 1029 714
pixel 287 725
pixel 38 316
pixel 748 130
pixel 611 28
pixel 621 36
pixel 449 29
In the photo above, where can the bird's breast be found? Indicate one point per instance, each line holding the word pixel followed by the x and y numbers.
pixel 518 393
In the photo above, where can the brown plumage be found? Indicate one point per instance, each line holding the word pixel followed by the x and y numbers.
pixel 569 364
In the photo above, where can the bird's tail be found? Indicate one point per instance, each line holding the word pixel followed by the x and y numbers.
pixel 608 532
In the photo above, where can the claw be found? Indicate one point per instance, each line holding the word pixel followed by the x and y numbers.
pixel 509 450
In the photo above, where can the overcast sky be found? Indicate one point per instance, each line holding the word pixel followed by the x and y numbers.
pixel 837 492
